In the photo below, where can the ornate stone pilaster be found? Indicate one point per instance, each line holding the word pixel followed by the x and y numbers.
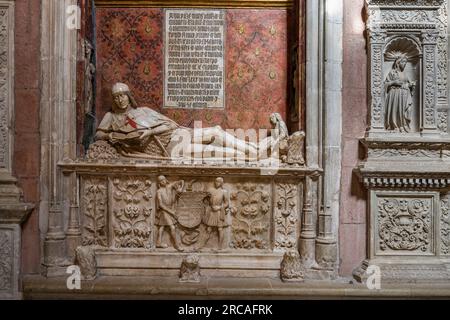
pixel 376 102
pixel 12 211
pixel 430 59
pixel 406 167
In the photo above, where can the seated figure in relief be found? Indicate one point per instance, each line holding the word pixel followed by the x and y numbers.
pixel 144 133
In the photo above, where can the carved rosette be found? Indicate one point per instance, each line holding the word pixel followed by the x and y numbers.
pixel 6 260
pixel 250 226
pixel 132 212
pixel 94 208
pixel 405 225
pixel 286 216
pixel 445 227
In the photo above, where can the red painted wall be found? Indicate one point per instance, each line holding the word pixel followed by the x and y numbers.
pixel 26 161
pixel 353 195
pixel 130 50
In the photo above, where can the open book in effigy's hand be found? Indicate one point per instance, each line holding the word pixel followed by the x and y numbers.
pixel 127 137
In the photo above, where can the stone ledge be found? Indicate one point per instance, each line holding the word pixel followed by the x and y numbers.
pixel 38 287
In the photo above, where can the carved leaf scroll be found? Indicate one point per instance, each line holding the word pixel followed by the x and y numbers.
pixel 132 212
pixel 95 197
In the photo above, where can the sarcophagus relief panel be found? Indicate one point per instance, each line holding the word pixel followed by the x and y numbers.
pixel 94 206
pixel 190 214
pixel 131 210
pixel 445 225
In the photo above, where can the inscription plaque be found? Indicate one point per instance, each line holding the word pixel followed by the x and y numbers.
pixel 194 59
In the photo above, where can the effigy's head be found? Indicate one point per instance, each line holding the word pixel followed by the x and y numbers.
pixel 122 98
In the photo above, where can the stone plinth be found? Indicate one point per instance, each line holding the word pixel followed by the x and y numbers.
pixel 12 214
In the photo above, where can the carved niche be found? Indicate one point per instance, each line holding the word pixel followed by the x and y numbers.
pixel 408 66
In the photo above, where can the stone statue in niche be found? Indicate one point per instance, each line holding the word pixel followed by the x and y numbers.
pixel 166 217
pixel 89 106
pixel 215 218
pixel 144 133
pixel 399 95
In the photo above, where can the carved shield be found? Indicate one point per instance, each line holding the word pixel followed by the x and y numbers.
pixel 191 208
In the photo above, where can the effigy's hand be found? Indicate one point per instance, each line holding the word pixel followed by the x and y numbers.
pixel 112 139
pixel 145 134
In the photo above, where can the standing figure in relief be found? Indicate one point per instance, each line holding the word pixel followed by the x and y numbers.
pixel 399 90
pixel 216 213
pixel 166 217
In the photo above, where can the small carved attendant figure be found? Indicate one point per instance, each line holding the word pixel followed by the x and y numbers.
pixel 216 214
pixel 280 134
pixel 166 198
pixel 398 95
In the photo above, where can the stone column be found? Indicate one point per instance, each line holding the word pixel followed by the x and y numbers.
pixel 58 72
pixel 12 211
pixel 314 97
pixel 326 247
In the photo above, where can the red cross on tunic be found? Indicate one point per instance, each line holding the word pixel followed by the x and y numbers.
pixel 132 123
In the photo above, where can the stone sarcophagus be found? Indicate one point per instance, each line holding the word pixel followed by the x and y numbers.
pixel 144 218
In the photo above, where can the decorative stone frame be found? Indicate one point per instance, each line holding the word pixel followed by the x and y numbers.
pixel 59 192
pixel 410 168
pixel 425 24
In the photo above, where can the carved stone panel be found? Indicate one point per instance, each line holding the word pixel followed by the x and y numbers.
pixel 445 225
pixel 6 260
pixel 404 223
pixel 131 212
pixel 6 85
pixel 94 209
pixel 251 217
pixel 287 216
